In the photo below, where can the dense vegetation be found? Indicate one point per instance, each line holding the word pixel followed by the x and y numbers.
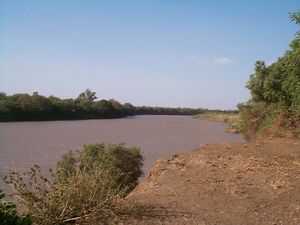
pixel 22 107
pixel 87 186
pixel 275 89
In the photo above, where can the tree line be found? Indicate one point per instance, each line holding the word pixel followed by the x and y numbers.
pixel 25 107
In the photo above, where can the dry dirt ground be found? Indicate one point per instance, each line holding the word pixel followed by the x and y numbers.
pixel 238 183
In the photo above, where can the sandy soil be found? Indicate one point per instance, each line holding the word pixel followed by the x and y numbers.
pixel 239 183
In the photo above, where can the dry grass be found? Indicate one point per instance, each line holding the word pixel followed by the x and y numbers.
pixel 232 119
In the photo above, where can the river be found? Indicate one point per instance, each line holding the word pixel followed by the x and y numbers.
pixel 24 143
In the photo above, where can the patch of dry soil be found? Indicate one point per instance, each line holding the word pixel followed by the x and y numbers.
pixel 239 183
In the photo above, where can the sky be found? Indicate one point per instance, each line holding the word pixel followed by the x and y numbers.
pixel 147 52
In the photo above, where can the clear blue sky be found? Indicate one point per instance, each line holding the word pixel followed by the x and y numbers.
pixel 159 53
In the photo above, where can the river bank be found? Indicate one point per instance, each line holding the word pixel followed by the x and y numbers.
pixel 237 183
pixel 231 118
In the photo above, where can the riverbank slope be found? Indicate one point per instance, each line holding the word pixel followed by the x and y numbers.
pixel 237 183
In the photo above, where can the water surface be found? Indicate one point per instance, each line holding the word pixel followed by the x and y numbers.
pixel 24 143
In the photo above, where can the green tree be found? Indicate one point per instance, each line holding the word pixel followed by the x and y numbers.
pixel 275 91
pixel 256 81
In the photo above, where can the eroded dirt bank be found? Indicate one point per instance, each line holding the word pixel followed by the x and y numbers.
pixel 240 183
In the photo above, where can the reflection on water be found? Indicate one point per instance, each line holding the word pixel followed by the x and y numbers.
pixel 25 143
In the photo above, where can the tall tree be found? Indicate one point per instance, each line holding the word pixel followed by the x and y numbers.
pixel 87 95
pixel 256 81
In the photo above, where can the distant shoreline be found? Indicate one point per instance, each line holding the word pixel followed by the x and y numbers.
pixel 35 107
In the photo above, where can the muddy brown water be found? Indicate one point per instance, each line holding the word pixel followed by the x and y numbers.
pixel 24 143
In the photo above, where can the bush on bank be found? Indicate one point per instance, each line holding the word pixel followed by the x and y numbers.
pixel 87 186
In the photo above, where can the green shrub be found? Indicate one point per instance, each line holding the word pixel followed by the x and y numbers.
pixel 86 188
pixel 8 213
pixel 114 159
